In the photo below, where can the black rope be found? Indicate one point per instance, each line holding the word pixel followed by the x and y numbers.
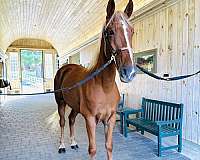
pixel 78 84
pixel 165 79
pixel 92 75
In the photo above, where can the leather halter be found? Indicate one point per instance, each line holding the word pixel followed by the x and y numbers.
pixel 114 51
pixel 106 34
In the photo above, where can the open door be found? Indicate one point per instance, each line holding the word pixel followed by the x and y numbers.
pixel 49 61
pixel 13 71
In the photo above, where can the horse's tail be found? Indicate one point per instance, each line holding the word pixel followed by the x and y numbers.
pixel 52 120
pixel 58 83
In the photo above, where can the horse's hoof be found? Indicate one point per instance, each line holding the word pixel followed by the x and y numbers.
pixel 75 147
pixel 61 150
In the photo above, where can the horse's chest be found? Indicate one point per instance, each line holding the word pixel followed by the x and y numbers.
pixel 103 113
pixel 99 104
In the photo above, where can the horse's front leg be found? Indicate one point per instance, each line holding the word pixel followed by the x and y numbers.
pixel 91 131
pixel 108 128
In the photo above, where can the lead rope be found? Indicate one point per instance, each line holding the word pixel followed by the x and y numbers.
pixel 165 79
pixel 92 75
pixel 78 84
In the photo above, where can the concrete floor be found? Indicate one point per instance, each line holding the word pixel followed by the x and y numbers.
pixel 29 130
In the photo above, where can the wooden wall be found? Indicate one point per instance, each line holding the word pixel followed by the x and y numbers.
pixel 174 30
pixel 88 55
pixel 75 59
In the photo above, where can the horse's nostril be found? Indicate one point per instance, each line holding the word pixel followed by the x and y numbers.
pixel 127 74
pixel 124 72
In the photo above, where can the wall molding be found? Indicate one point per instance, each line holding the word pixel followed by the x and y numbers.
pixel 151 8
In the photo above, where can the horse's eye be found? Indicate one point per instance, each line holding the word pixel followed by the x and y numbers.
pixel 132 30
pixel 110 32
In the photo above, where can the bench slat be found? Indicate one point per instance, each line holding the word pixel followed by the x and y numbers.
pixel 151 126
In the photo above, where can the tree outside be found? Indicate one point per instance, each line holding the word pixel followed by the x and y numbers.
pixel 32 68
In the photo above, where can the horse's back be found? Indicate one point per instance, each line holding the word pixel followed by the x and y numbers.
pixel 68 75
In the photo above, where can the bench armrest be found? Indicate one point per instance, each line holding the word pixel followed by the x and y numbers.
pixel 133 111
pixel 161 123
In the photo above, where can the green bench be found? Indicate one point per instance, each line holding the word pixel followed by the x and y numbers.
pixel 162 119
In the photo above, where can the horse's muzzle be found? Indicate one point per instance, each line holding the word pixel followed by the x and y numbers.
pixel 127 73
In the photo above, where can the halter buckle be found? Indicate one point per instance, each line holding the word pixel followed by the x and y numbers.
pixel 112 57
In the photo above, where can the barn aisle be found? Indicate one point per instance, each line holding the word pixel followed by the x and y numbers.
pixel 27 132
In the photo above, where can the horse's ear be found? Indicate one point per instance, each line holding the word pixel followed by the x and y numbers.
pixel 129 8
pixel 110 9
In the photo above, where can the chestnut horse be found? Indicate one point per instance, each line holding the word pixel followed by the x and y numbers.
pixel 96 100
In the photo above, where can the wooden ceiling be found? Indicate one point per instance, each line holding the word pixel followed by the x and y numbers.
pixel 64 23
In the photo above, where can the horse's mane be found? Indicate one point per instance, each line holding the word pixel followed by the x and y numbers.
pixel 96 63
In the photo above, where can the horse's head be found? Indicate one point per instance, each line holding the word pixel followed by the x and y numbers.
pixel 117 36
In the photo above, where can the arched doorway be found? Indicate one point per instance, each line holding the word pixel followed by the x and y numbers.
pixel 31 65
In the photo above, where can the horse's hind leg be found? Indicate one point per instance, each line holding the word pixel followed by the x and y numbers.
pixel 72 117
pixel 61 111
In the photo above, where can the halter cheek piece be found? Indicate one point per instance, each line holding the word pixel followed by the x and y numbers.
pixel 106 34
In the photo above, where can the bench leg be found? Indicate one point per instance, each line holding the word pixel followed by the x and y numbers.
pixel 127 117
pixel 159 145
pixel 180 143
pixel 125 126
pixel 121 123
pixel 142 132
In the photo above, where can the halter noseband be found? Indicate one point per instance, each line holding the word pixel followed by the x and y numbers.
pixel 106 33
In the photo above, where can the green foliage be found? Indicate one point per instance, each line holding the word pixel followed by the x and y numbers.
pixel 31 58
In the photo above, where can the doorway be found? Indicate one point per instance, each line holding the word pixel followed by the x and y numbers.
pixel 32 71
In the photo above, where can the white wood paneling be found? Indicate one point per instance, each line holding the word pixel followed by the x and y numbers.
pixel 64 23
pixel 196 88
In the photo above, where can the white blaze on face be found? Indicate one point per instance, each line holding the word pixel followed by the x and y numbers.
pixel 130 50
pixel 124 25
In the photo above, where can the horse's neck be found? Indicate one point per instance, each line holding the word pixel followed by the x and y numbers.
pixel 107 76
